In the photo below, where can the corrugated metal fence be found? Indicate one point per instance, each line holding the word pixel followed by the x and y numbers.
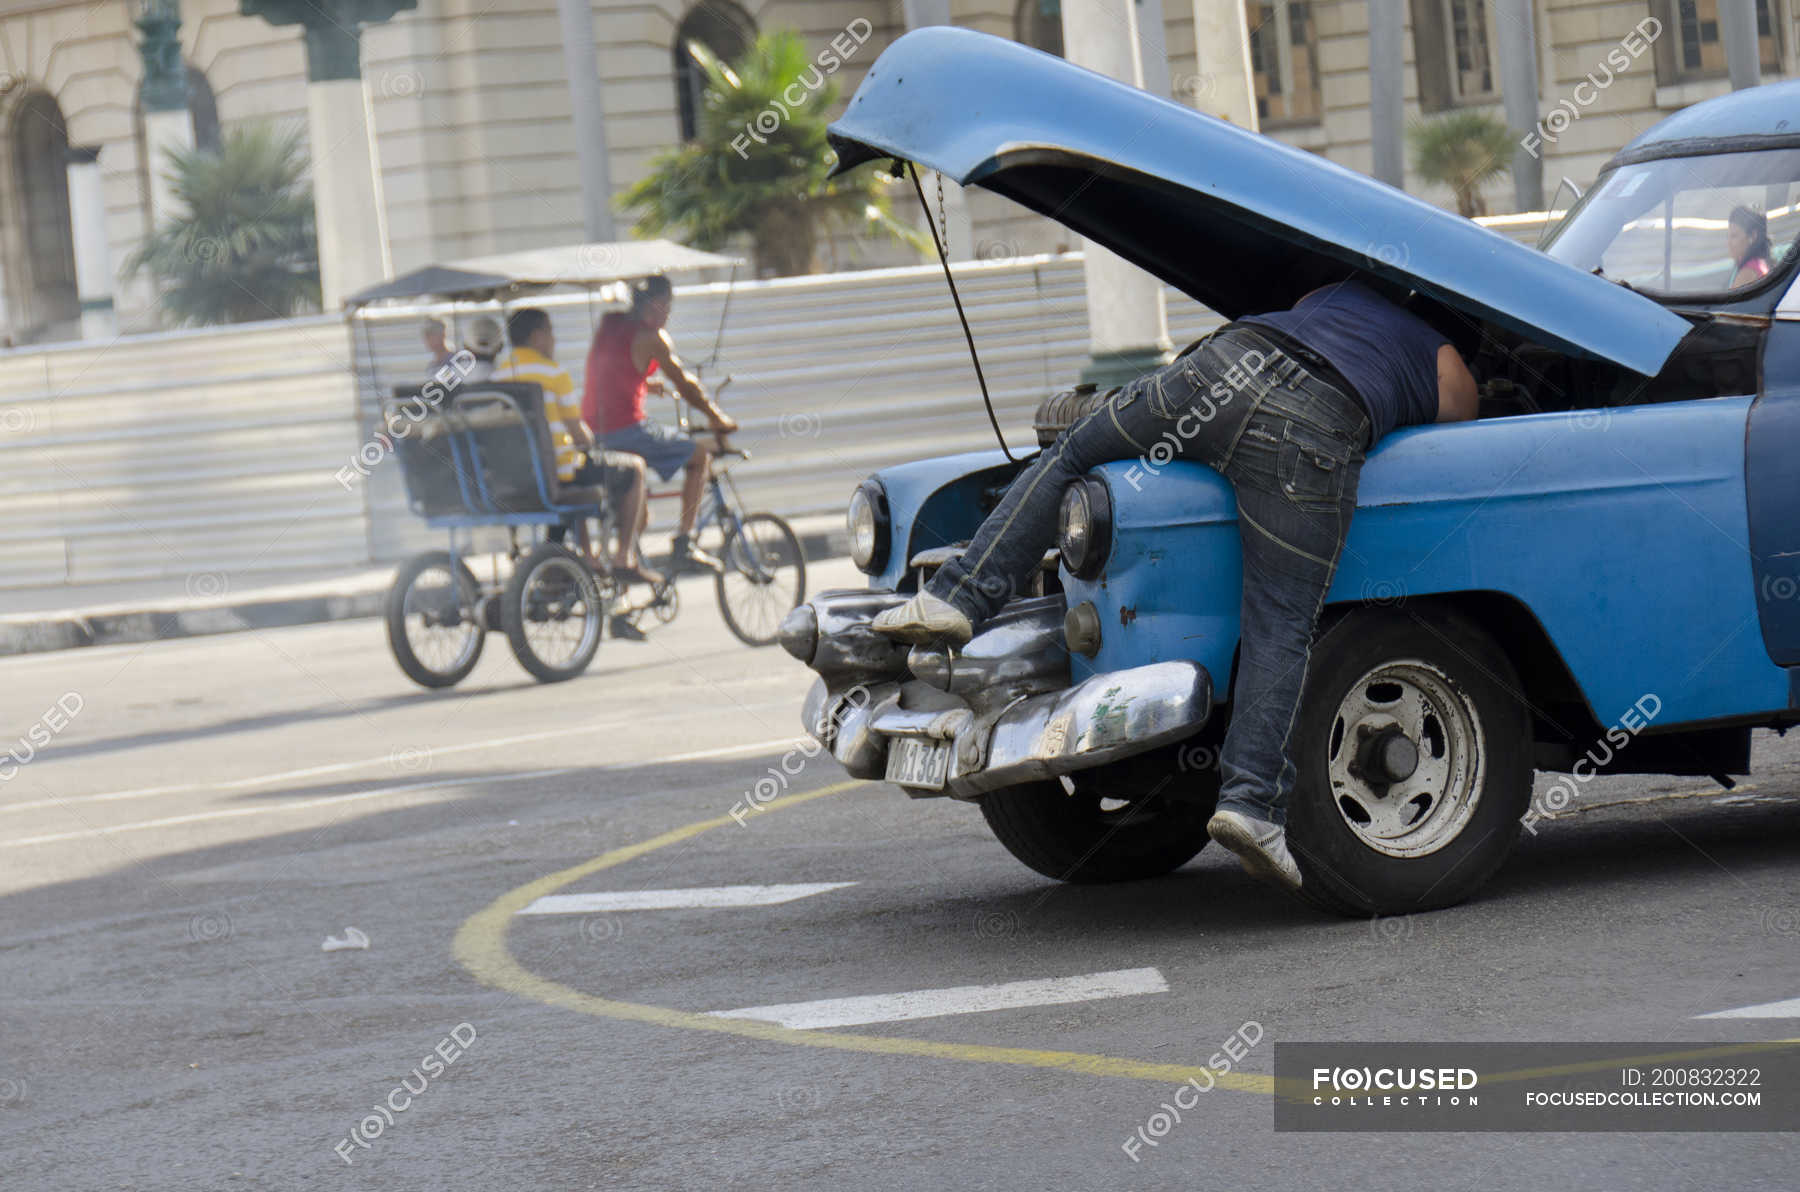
pixel 181 454
pixel 832 377
pixel 201 452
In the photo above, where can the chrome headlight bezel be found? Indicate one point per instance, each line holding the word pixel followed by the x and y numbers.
pixel 867 520
pixel 1084 527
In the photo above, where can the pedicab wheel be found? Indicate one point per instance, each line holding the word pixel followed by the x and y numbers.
pixel 762 580
pixel 434 619
pixel 1413 763
pixel 553 610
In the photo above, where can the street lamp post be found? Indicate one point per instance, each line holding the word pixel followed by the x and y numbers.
pixel 168 125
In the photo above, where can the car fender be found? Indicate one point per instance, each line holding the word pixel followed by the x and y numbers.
pixel 1623 531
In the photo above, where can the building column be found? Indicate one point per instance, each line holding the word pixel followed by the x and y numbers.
pixel 347 202
pixel 1737 29
pixel 168 125
pixel 1514 23
pixel 1387 83
pixel 93 257
pixel 956 226
pixel 1128 326
pixel 1153 49
pixel 582 65
pixel 1226 86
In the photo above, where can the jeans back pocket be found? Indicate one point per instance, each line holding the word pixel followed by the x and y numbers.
pixel 1312 466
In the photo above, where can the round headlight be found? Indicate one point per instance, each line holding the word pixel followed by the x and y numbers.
pixel 1076 536
pixel 1085 533
pixel 867 519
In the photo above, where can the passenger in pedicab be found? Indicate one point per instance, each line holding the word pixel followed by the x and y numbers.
pixel 485 342
pixel 579 460
pixel 436 335
pixel 627 348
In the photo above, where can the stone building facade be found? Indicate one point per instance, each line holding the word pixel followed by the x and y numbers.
pixel 470 108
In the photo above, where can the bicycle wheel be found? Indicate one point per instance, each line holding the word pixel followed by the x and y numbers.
pixel 763 578
pixel 433 619
pixel 552 610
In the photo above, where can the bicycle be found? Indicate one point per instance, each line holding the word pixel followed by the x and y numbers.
pixel 756 551
pixel 485 458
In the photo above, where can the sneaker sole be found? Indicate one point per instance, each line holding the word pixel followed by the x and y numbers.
pixel 922 635
pixel 1236 839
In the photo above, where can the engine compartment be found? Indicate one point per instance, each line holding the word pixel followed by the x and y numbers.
pixel 1717 359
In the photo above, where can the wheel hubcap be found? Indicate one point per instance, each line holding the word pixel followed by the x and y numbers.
pixel 1406 749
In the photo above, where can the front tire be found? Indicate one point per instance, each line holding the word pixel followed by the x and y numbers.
pixel 1085 838
pixel 762 580
pixel 1414 767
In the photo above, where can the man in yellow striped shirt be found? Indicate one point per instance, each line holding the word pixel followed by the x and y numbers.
pixel 578 460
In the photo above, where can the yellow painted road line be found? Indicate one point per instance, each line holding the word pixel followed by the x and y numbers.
pixel 481 948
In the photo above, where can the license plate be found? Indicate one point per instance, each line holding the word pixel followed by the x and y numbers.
pixel 915 761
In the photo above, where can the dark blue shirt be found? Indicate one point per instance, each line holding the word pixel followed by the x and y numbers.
pixel 1388 354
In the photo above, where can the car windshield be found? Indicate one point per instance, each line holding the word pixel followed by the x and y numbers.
pixel 1686 226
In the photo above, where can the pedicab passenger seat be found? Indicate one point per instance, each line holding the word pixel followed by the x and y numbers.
pixel 501 454
pixel 430 454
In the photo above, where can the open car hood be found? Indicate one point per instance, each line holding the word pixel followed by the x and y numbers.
pixel 1239 221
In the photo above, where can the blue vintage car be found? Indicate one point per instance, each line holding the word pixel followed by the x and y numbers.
pixel 1601 575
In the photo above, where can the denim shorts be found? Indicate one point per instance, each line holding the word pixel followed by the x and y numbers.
pixel 666 449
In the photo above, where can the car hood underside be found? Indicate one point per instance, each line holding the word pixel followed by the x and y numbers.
pixel 1241 222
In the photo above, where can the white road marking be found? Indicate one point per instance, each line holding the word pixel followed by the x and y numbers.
pixel 1787 1009
pixel 666 900
pixel 272 808
pixel 965 999
pixel 434 751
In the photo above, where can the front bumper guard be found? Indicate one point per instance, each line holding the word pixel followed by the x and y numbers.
pixel 1102 719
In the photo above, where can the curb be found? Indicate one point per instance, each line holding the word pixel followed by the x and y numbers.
pixel 72 631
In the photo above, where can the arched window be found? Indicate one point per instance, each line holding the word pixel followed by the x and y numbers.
pixel 721 27
pixel 40 163
pixel 1038 24
pixel 203 109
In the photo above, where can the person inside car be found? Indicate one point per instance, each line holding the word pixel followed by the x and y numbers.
pixel 579 461
pixel 1285 405
pixel 1747 238
pixel 627 348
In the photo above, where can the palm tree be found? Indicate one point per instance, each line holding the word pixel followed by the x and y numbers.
pixel 245 247
pixel 760 165
pixel 1463 151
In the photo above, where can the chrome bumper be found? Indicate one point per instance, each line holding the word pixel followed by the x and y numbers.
pixel 1099 720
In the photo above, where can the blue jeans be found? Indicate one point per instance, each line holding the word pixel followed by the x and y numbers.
pixel 1292 445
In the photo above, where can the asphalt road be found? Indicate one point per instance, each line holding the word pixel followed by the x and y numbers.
pixel 173 858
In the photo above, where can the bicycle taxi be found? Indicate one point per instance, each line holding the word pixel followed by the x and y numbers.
pixel 475 454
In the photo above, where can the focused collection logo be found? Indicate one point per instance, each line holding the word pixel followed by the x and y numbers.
pixel 1398 1087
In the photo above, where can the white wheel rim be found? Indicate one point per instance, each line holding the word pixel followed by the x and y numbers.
pixel 1428 809
pixel 559 616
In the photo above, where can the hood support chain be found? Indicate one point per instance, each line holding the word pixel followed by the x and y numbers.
pixel 944 260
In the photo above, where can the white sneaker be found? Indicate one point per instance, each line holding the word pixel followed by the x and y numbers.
pixel 1261 847
pixel 924 620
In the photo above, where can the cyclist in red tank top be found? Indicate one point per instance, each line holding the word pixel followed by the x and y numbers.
pixel 627 349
